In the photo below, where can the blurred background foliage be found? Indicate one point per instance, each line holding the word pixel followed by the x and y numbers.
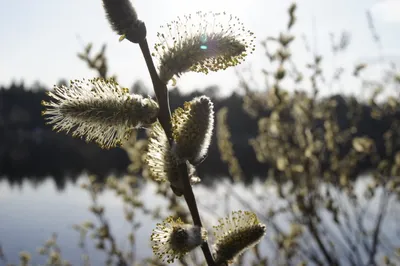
pixel 309 150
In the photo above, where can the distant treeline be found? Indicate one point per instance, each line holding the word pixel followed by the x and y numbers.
pixel 30 149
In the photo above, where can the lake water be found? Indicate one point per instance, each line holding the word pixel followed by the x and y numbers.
pixel 29 214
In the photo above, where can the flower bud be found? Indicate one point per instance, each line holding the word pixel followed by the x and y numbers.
pixel 163 164
pixel 235 234
pixel 172 239
pixel 192 129
pixel 123 19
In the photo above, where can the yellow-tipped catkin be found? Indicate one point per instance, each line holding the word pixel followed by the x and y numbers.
pixel 162 163
pixel 192 128
pixel 203 42
pixel 98 110
pixel 172 239
pixel 235 234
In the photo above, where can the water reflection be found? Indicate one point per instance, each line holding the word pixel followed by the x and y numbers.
pixel 29 214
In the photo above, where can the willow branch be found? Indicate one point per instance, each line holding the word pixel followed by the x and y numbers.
pixel 164 117
pixel 161 91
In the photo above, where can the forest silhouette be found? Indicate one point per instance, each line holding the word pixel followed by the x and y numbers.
pixel 30 150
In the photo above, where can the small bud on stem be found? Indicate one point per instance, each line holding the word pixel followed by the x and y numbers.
pixel 172 239
pixel 123 19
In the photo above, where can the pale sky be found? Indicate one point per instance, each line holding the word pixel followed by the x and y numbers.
pixel 39 38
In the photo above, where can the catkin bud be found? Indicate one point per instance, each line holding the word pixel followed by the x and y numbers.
pixel 172 239
pixel 202 42
pixel 99 110
pixel 123 19
pixel 235 234
pixel 192 128
pixel 163 164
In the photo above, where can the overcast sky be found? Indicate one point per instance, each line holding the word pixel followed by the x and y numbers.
pixel 39 39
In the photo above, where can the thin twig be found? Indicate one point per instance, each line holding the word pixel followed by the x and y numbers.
pixel 161 91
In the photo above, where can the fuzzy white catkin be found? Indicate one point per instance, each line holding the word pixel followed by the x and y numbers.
pixel 172 239
pixel 98 110
pixel 162 163
pixel 192 128
pixel 202 42
pixel 235 234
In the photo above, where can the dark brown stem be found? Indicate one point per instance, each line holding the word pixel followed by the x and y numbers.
pixel 191 202
pixel 161 91
pixel 164 116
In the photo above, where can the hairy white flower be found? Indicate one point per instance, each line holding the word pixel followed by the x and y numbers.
pixel 235 234
pixel 192 128
pixel 162 163
pixel 203 42
pixel 172 239
pixel 99 110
